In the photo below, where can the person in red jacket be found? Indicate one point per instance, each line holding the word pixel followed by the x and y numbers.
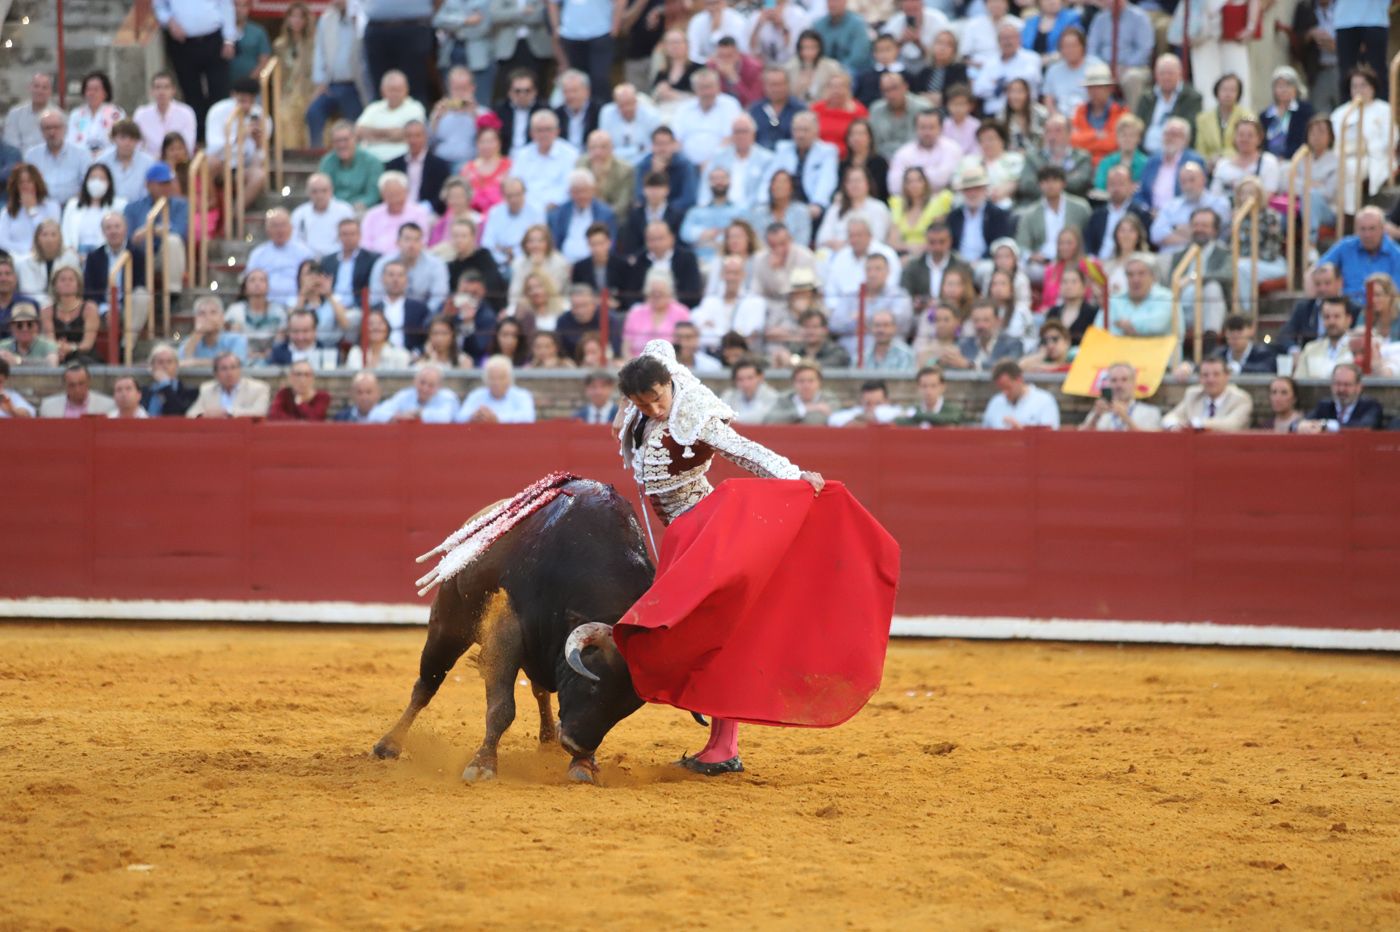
pixel 1096 120
pixel 837 110
pixel 300 400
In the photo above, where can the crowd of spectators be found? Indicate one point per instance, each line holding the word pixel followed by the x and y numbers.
pixel 899 187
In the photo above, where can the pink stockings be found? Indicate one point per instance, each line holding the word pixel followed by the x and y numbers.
pixel 723 744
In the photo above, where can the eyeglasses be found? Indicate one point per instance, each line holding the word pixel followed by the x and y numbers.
pixel 18 324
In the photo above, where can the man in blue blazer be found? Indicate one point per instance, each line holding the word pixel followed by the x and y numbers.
pixel 1176 152
pixel 599 406
pixel 435 170
pixel 350 266
pixel 812 163
pixel 97 267
pixel 745 161
pixel 569 222
pixel 1346 409
pixel 408 318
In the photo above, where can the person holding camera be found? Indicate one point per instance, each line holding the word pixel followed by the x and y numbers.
pixel 1118 408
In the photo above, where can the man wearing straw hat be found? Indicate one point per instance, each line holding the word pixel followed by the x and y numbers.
pixel 977 223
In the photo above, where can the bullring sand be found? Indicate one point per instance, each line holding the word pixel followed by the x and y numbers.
pixel 162 777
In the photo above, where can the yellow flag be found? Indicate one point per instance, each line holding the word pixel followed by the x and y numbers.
pixel 1100 350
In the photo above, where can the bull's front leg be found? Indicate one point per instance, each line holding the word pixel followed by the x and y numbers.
pixel 499 663
pixel 549 734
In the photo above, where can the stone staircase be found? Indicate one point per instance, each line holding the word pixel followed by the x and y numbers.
pixel 93 37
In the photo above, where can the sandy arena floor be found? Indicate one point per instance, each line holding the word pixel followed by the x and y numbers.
pixel 167 778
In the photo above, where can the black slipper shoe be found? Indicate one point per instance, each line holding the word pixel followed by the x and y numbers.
pixel 719 768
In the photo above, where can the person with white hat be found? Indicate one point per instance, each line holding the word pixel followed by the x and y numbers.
pixel 976 223
pixel 1095 123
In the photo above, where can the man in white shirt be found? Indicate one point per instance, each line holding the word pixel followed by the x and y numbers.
pixel 773 30
pixel 242 100
pixel 544 164
pixel 165 115
pixel 745 161
pixel 989 82
pixel 506 222
pixel 930 150
pixel 1018 405
pixel 715 20
pixel 630 123
pixel 704 122
pixel 846 273
pixel 915 27
pixel 380 128
pixel 62 165
pixel 1120 409
pixel 127 161
pixel 22 121
pixel 317 222
pixel 735 308
pixel 751 396
pixel 280 257
pixel 499 400
pixel 335 70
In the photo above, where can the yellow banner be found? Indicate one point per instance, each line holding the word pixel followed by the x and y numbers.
pixel 1100 350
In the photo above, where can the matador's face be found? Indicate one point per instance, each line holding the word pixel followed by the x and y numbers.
pixel 656 403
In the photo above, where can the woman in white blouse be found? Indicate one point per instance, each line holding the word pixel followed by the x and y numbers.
pixel 1250 159
pixel 378 353
pixel 90 124
pixel 853 200
pixel 27 204
pixel 82 215
pixel 1369 124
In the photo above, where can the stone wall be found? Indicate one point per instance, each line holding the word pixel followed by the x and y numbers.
pixel 558 393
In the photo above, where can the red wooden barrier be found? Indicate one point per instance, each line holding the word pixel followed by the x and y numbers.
pixel 1245 529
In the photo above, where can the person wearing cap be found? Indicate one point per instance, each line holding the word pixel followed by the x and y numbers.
pixel 25 347
pixel 11 299
pixel 1145 309
pixel 1095 123
pixel 160 183
pixel 976 223
pixel 1285 120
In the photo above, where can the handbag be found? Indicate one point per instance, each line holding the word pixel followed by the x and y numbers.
pixel 1234 23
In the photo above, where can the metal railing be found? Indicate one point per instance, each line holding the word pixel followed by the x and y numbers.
pixel 1303 157
pixel 235 201
pixel 120 341
pixel 1394 105
pixel 197 262
pixel 1354 106
pixel 271 87
pixel 160 211
pixel 1248 212
pixel 1194 256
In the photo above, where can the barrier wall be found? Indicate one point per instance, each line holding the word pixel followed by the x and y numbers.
pixel 1234 530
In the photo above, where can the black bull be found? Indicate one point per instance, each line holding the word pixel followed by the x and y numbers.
pixel 579 559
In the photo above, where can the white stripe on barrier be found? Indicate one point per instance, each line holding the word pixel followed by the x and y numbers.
pixel 928 626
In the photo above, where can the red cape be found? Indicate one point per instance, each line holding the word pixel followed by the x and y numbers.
pixel 770 606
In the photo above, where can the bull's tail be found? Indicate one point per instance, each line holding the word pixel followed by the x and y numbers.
pixel 472 539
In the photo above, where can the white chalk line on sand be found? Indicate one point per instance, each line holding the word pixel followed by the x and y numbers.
pixel 927 626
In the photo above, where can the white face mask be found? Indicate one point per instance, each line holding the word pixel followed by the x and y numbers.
pixel 97 188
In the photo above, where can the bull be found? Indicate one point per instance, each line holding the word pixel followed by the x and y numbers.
pixel 540 598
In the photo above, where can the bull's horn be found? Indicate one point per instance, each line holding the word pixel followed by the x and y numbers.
pixel 581 637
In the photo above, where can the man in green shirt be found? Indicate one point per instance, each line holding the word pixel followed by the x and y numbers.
pixel 354 173
pixel 252 49
pixel 25 347
pixel 932 410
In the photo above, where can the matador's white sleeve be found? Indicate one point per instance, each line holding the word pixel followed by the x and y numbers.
pixel 754 457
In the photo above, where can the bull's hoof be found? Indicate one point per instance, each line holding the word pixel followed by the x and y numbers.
pixel 584 770
pixel 478 773
pixel 386 750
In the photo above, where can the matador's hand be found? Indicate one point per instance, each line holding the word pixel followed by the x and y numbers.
pixel 816 480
